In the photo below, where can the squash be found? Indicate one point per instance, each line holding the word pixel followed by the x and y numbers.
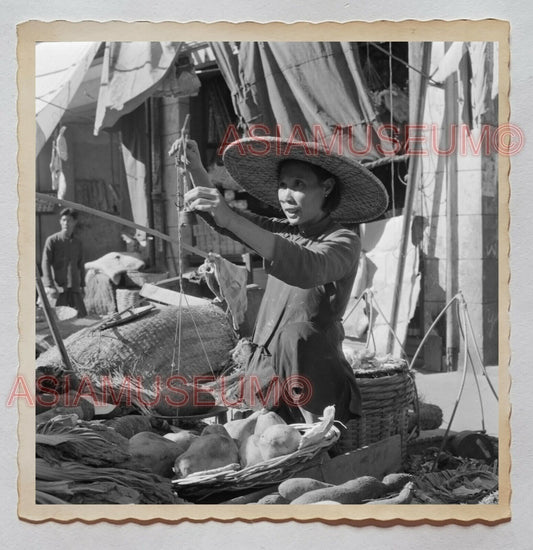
pixel 293 488
pixel 249 452
pixel 155 453
pixel 207 453
pixel 278 440
pixel 183 437
pixel 242 428
pixel 273 498
pixel 267 419
pixel 217 429
pixel 354 491
pixel 395 482
pixel 130 424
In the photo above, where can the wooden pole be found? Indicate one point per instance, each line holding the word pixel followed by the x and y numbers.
pixel 409 199
pixel 49 314
pixel 117 219
pixel 451 118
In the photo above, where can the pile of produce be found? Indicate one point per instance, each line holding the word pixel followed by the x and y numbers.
pixel 85 460
pixel 366 359
pixel 442 476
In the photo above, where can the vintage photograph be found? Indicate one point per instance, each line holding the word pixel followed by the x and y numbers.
pixel 269 273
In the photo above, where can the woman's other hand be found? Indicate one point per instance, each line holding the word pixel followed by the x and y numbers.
pixel 208 199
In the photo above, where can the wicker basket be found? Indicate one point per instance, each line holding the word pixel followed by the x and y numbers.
pixel 270 472
pixel 387 393
pixel 127 298
pixel 145 347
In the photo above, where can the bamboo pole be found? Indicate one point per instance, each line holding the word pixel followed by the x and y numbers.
pixel 409 199
pixel 450 120
pixel 49 314
pixel 117 219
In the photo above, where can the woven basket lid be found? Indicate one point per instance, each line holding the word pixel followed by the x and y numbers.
pixel 253 163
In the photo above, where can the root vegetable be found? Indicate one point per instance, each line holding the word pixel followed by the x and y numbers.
pixel 292 488
pixel 266 420
pixel 273 498
pixel 241 429
pixel 131 424
pixel 154 452
pixel 249 452
pixel 395 482
pixel 183 437
pixel 217 429
pixel 278 440
pixel 404 497
pixel 207 453
pixel 354 491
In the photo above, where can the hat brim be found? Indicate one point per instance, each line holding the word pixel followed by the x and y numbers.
pixel 254 165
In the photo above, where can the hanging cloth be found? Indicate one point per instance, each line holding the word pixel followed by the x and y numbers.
pixel 59 155
pixel 312 90
pixel 131 72
pixel 230 285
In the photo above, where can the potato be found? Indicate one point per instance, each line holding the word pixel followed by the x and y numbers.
pixel 154 452
pixel 297 486
pixel 267 419
pixel 396 482
pixel 207 453
pixel 249 452
pixel 278 440
pixel 241 429
pixel 273 498
pixel 354 491
pixel 215 429
pixel 183 437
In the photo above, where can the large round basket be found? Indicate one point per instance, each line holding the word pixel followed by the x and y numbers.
pixel 200 485
pixel 387 393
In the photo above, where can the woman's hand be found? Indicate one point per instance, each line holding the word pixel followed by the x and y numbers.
pixel 208 199
pixel 194 161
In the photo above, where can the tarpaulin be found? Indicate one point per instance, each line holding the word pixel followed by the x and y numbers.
pixel 380 245
pixel 301 90
pixel 476 65
pixel 131 72
pixel 133 141
pixel 59 70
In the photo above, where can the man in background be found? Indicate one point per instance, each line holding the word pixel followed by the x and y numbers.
pixel 63 266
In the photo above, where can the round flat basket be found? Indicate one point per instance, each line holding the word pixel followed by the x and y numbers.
pixel 270 472
pixel 387 392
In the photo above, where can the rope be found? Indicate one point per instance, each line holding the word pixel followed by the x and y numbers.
pixel 400 60
pixel 391 121
pixel 385 160
pixel 463 329
pixel 458 398
pixel 419 348
pixel 181 175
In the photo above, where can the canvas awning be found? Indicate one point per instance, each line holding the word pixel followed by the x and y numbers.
pixel 131 71
pixel 59 71
pixel 315 86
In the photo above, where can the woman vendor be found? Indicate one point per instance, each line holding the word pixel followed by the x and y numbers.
pixel 311 261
